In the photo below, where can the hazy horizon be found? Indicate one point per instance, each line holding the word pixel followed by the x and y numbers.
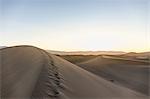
pixel 80 50
pixel 76 25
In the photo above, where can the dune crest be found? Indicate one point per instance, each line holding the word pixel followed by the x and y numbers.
pixel 31 73
pixel 28 72
pixel 133 74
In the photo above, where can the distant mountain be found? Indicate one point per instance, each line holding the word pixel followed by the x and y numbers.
pixel 86 52
pixel 137 54
pixel 143 55
pixel 2 47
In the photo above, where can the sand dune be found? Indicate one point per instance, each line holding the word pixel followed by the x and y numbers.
pixel 144 56
pixel 77 58
pixel 129 73
pixel 25 72
pixel 31 73
pixel 86 52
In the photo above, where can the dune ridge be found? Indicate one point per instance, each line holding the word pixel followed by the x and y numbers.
pixel 31 73
pixel 129 73
pixel 43 73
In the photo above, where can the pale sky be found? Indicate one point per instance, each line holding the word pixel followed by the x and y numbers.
pixel 76 25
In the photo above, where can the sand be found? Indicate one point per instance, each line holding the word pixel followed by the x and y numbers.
pixel 30 73
pixel 133 74
pixel 77 58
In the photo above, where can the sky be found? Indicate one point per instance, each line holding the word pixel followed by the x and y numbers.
pixel 76 25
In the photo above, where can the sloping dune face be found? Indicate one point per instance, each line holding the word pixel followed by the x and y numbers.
pixel 26 73
pixel 81 84
pixel 77 58
pixel 131 74
pixel 30 73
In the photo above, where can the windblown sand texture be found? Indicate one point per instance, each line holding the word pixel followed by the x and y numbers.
pixel 28 72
